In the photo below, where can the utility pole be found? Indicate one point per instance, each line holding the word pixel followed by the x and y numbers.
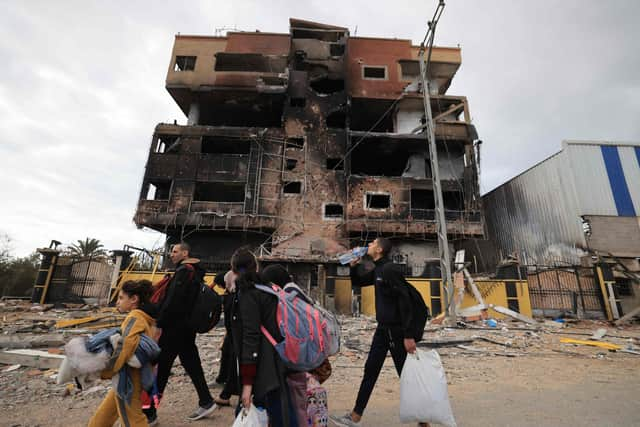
pixel 441 224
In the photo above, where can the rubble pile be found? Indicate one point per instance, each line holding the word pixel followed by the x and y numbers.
pixel 32 339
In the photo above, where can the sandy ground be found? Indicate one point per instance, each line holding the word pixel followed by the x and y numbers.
pixel 580 386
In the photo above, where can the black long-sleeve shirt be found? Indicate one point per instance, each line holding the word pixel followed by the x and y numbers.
pixel 393 306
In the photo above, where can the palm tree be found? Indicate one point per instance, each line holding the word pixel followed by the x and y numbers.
pixel 87 248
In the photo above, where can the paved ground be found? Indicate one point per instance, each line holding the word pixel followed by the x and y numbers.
pixel 549 384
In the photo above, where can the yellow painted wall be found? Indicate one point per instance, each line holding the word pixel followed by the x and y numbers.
pixel 493 292
pixel 342 295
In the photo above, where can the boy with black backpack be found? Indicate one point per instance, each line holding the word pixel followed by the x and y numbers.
pixel 400 316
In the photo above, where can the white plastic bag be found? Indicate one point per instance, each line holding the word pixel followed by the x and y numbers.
pixel 254 417
pixel 423 390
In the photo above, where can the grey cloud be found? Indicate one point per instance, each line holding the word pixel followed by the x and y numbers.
pixel 82 86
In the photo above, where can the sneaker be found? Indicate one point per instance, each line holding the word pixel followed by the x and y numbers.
pixel 202 412
pixel 345 421
pixel 152 420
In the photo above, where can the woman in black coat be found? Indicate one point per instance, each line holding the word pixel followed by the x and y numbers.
pixel 262 373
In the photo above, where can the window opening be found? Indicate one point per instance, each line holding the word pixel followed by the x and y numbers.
pixel 452 200
pixel 327 86
pixel 292 187
pixel 375 73
pixel 159 190
pixel 336 120
pixel 290 164
pixel 167 143
pixel 336 49
pixel 217 145
pixel 185 63
pixel 378 201
pixel 295 142
pixel 422 204
pixel 151 192
pixel 335 164
pixel 219 192
pixel 333 210
pixel 160 147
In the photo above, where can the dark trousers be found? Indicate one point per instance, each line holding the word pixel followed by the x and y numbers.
pixel 181 342
pixel 275 405
pixel 230 363
pixel 384 339
pixel 223 373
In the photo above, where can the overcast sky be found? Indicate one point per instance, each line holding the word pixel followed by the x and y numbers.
pixel 82 87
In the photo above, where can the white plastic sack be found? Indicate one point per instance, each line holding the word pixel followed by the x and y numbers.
pixel 254 417
pixel 423 390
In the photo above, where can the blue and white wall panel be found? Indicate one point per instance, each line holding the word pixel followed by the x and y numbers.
pixel 606 177
pixel 538 212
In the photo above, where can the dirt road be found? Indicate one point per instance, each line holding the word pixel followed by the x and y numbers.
pixel 548 385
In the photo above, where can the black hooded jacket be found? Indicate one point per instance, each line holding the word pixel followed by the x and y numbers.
pixel 181 294
pixel 393 304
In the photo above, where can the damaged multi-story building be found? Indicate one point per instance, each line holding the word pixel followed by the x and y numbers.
pixel 303 144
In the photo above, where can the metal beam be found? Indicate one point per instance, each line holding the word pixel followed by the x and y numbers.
pixel 441 224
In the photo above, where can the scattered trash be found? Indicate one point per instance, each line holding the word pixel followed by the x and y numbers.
pixel 491 323
pixel 599 334
pixel 12 368
pixel 607 345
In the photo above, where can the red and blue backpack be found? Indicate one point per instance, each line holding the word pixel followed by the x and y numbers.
pixel 311 333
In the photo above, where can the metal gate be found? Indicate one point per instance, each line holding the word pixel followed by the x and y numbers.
pixel 567 289
pixel 74 280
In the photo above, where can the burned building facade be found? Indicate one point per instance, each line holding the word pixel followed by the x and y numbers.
pixel 304 144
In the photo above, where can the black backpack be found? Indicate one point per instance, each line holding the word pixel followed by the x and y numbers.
pixel 206 310
pixel 420 312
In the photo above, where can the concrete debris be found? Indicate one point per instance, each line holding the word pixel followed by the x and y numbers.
pixel 630 315
pixel 34 358
pixel 514 314
pixel 29 375
pixel 31 340
pixel 598 335
pixel 485 351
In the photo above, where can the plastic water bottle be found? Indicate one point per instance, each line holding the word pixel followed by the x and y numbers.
pixel 354 253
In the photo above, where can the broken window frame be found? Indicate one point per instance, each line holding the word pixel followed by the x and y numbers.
pixel 171 143
pixel 420 213
pixel 184 63
pixel 333 217
pixel 370 194
pixel 289 184
pixel 156 186
pixel 384 67
pixel 239 199
pixel 325 86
